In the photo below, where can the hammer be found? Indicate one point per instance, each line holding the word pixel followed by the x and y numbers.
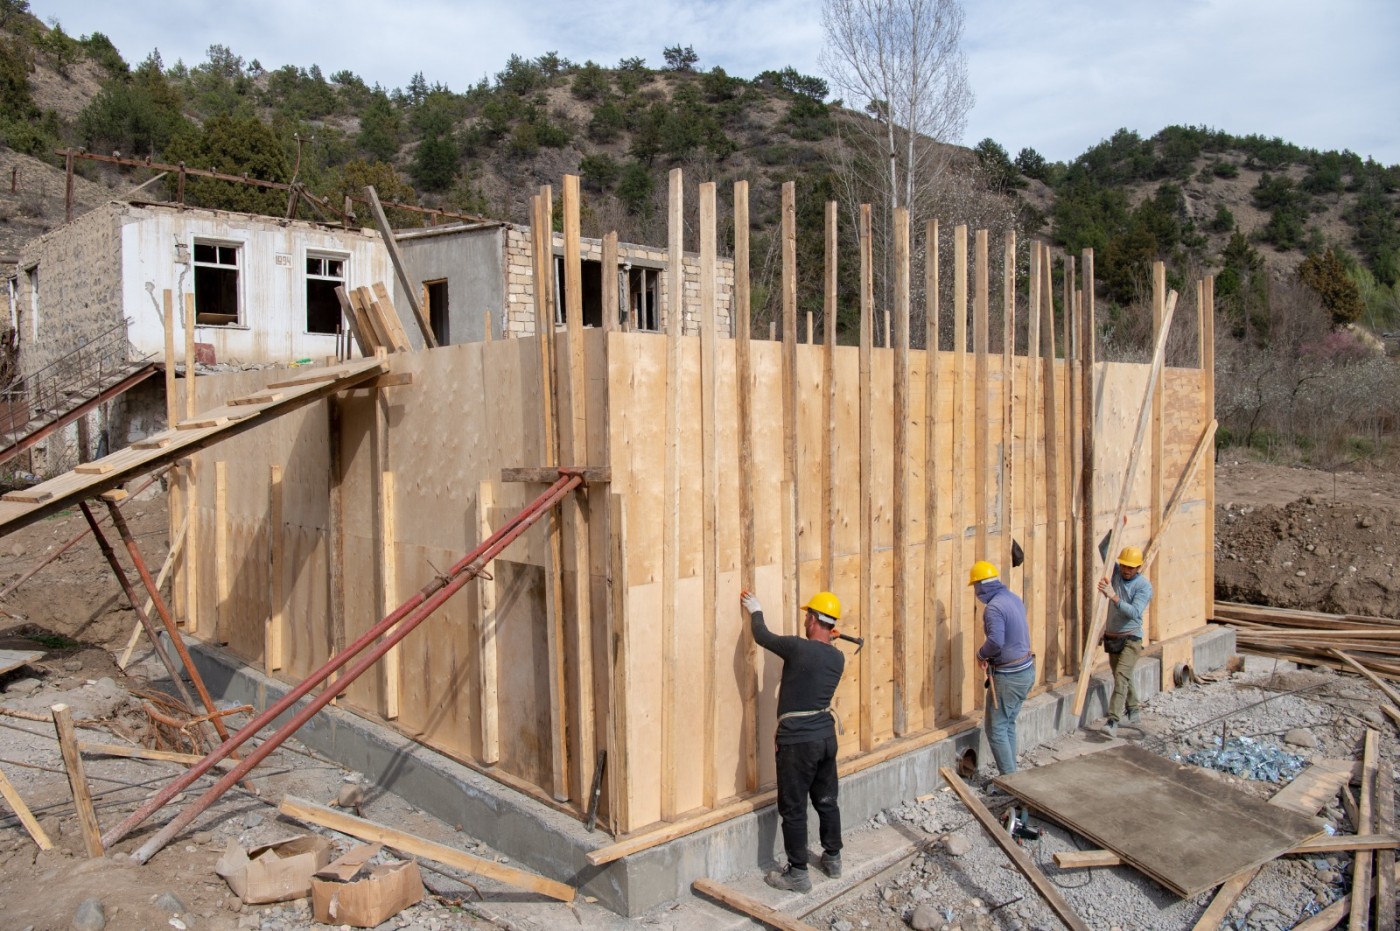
pixel 858 641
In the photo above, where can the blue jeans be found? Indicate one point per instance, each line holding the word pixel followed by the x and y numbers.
pixel 1000 722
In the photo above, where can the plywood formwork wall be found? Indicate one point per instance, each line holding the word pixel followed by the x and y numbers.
pixel 381 490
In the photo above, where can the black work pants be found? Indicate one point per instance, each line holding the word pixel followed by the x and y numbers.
pixel 808 770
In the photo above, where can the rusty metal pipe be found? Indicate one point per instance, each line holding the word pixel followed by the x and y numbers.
pixel 426 598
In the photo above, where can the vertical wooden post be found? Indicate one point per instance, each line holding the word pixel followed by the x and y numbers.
pixel 789 286
pixel 936 641
pixel 1153 631
pixel 899 337
pixel 959 688
pixel 389 590
pixel 274 637
pixel 867 512
pixel 1209 390
pixel 610 301
pixel 828 542
pixel 335 534
pixel 77 780
pixel 175 506
pixel 1074 496
pixel 1385 859
pixel 490 663
pixel 190 471
pixel 1360 914
pixel 620 768
pixel 575 506
pixel 1008 382
pixel 1030 443
pixel 710 485
pixel 1089 561
pixel 542 230
pixel 1054 539
pixel 743 390
pixel 980 348
pixel 221 568
pixel 671 518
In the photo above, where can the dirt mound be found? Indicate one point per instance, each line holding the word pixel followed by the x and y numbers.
pixel 1310 553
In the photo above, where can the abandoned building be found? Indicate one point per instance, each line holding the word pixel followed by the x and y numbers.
pixel 685 468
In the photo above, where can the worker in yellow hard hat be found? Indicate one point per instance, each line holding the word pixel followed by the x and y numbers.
pixel 806 737
pixel 1128 593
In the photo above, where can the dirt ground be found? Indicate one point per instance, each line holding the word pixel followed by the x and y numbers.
pixel 1286 537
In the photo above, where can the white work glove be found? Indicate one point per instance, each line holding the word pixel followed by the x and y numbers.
pixel 750 602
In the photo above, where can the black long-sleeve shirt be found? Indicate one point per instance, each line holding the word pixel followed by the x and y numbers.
pixel 811 672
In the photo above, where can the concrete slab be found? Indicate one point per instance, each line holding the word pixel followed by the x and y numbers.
pixel 555 845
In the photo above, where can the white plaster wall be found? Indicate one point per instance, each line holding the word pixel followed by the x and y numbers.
pixel 271 279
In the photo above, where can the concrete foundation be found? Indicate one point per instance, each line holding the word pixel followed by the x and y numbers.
pixel 556 845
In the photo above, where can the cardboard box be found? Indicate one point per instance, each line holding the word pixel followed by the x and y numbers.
pixel 274 872
pixel 350 892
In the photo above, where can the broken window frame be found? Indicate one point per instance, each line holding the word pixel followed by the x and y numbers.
pixel 322 278
pixel 221 317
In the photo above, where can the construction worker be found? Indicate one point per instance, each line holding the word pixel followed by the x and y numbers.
pixel 1128 593
pixel 805 743
pixel 1005 656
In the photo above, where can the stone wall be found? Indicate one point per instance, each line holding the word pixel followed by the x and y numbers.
pixel 520 281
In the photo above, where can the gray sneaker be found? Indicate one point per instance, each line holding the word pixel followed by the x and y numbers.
pixel 789 879
pixel 1111 728
pixel 831 865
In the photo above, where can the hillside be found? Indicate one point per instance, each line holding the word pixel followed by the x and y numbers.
pixel 1248 208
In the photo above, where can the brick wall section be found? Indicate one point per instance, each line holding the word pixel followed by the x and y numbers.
pixel 520 281
pixel 80 295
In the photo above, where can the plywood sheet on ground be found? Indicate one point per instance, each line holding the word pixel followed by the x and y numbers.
pixel 1155 813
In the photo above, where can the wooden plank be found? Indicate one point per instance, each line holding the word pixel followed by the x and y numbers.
pixel 389 586
pixel 353 322
pixel 936 628
pixel 1225 897
pixel 620 772
pixel 392 245
pixel 311 813
pixel 574 507
pixel 1359 917
pixel 749 906
pixel 867 510
pixel 159 441
pixel 1314 786
pixel 383 304
pixel 1030 443
pixel 176 547
pixel 1384 814
pixel 981 377
pixel 958 699
pixel 743 378
pixel 790 377
pixel 203 423
pixel 1375 680
pixel 670 516
pixel 1100 614
pixel 1088 541
pixel 1208 390
pixel 21 810
pixel 275 635
pixel 1203 445
pixel 709 492
pixel 221 567
pixel 899 336
pixel 262 397
pixel 543 252
pixel 335 533
pixel 1074 478
pixel 486 626
pixel 1008 426
pixel 1019 859
pixel 1152 631
pixel 361 302
pixel 191 379
pixel 1054 539
pixel 829 399
pixel 77 779
pixel 168 323
pixel 610 302
pixel 1342 843
pixel 1086 859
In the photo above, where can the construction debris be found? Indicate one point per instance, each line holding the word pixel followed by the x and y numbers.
pixel 1249 759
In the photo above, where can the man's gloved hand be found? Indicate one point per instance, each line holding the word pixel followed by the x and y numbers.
pixel 750 602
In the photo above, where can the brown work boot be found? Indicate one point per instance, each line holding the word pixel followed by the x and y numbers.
pixel 831 865
pixel 789 879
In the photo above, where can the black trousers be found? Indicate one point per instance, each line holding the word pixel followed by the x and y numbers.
pixel 808 770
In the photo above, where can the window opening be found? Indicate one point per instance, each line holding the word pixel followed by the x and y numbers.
pixel 642 286
pixel 324 273
pixel 437 309
pixel 591 281
pixel 216 284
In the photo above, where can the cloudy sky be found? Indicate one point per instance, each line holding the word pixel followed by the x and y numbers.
pixel 1056 76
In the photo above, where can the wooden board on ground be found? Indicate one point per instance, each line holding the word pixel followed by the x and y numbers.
pixel 1109 796
pixel 13 659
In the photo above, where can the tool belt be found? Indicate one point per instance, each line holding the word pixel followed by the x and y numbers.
pixel 807 714
pixel 1116 645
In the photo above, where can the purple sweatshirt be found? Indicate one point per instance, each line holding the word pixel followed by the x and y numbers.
pixel 1008 644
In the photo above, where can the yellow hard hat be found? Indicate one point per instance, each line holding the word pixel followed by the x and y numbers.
pixel 824 603
pixel 1130 557
pixel 981 572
